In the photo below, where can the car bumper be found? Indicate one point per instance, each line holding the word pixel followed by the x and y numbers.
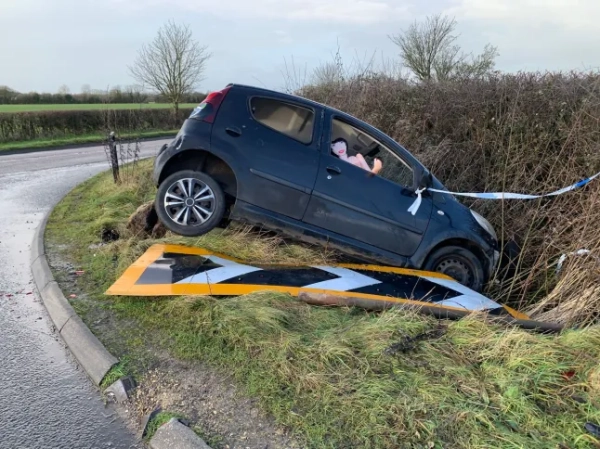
pixel 159 162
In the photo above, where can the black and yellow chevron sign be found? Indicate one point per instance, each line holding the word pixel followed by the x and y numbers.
pixel 173 270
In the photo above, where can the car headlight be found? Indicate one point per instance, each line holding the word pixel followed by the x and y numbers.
pixel 484 224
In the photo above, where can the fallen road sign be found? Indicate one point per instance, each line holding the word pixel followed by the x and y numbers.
pixel 174 270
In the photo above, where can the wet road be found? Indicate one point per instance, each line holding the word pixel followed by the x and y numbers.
pixel 46 400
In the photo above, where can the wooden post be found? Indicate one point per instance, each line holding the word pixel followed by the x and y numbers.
pixel 114 157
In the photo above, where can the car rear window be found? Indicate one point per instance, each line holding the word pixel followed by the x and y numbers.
pixel 289 119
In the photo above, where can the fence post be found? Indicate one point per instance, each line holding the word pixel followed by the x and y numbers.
pixel 114 158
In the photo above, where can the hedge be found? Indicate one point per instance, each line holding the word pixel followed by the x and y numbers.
pixel 23 126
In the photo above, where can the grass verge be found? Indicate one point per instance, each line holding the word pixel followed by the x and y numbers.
pixel 77 140
pixel 342 378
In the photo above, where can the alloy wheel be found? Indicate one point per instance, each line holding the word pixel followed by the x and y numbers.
pixel 189 202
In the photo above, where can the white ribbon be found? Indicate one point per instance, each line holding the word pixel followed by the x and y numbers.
pixel 498 195
pixel 579 252
pixel 417 203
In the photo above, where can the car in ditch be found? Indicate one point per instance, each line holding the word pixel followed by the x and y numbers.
pixel 265 158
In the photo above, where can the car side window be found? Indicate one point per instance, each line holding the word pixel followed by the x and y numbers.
pixel 393 167
pixel 293 121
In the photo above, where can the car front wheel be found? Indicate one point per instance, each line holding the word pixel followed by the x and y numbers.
pixel 190 203
pixel 458 263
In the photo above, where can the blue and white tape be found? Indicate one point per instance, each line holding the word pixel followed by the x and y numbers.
pixel 498 195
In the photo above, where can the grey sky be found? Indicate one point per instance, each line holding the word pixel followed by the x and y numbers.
pixel 47 43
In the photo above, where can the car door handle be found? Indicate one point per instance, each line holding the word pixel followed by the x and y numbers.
pixel 233 131
pixel 334 170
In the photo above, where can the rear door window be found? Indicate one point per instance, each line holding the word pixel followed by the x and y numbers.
pixel 289 119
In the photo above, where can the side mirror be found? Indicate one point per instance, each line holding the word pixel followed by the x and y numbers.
pixel 424 179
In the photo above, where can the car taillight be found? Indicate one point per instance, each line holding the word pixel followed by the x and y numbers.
pixel 207 110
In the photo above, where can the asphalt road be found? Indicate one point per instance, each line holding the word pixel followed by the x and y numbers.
pixel 46 400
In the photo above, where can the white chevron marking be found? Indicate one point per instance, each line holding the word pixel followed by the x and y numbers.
pixel 228 270
pixel 348 280
pixel 470 299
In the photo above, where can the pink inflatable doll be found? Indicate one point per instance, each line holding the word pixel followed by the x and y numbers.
pixel 340 149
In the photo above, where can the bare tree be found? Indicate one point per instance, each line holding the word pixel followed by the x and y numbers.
pixel 172 64
pixel 429 50
pixel 64 90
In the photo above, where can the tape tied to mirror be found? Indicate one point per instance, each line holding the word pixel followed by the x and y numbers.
pixel 498 195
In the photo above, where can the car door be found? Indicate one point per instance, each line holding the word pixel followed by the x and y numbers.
pixel 352 202
pixel 279 141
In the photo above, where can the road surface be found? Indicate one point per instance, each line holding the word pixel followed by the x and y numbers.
pixel 46 400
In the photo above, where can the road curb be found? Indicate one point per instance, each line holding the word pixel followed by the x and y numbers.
pixel 174 434
pixel 93 357
pixel 90 353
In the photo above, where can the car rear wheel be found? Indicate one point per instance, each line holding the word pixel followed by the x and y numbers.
pixel 458 263
pixel 190 203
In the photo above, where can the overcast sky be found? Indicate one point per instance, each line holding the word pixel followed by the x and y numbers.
pixel 47 43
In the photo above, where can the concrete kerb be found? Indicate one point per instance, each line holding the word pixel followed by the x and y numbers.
pixel 87 349
pixel 174 434
pixel 90 353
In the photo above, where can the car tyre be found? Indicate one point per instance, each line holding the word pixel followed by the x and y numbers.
pixel 458 263
pixel 190 203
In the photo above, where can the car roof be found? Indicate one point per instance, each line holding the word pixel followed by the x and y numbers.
pixel 292 97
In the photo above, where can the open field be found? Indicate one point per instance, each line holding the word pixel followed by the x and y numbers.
pixel 336 377
pixel 9 108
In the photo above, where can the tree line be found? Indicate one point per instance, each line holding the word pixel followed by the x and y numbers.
pixel 129 94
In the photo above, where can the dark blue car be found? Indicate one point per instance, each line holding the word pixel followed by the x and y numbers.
pixel 265 158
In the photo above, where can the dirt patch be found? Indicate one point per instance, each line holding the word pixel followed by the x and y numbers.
pixel 144 222
pixel 225 418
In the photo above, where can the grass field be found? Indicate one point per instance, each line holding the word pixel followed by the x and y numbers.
pixel 10 108
pixel 339 378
